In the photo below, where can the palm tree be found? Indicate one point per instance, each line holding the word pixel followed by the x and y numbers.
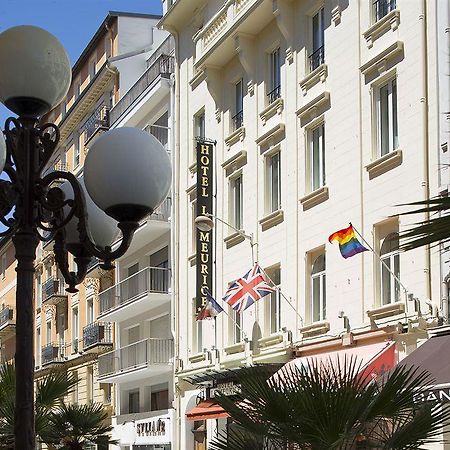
pixel 67 426
pixel 325 406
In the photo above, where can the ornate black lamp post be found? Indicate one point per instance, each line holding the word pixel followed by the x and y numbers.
pixel 126 174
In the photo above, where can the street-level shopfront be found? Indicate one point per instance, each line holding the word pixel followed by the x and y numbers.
pixel 151 433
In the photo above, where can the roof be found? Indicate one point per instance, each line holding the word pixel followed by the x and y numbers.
pixel 112 15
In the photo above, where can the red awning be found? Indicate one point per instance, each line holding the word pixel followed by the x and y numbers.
pixel 375 359
pixel 206 409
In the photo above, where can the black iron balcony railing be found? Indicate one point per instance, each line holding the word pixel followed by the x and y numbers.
pixel 238 120
pixel 53 353
pixel 6 314
pixel 163 65
pixel 99 120
pixel 383 7
pixel 274 94
pixel 138 355
pixel 148 280
pixel 97 333
pixel 317 58
pixel 53 287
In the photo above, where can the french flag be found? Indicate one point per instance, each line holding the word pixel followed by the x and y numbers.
pixel 210 310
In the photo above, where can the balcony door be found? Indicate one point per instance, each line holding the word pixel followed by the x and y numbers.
pixel 133 337
pixel 160 340
pixel 133 281
pixel 159 279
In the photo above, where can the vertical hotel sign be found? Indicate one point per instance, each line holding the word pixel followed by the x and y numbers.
pixel 204 206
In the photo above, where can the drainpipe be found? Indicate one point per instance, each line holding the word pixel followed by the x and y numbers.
pixel 425 144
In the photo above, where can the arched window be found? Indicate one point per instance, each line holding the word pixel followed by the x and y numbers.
pixel 390 266
pixel 318 289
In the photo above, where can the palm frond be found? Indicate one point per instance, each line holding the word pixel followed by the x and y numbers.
pixel 428 232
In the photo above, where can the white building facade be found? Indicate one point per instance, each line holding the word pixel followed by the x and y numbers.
pixel 322 113
pixel 139 303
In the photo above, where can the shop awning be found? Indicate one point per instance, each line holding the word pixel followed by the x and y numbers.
pixel 375 359
pixel 206 409
pixel 432 356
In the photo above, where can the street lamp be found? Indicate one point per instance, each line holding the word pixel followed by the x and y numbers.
pixel 205 222
pixel 127 175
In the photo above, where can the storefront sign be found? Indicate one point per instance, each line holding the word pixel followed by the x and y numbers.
pixel 433 395
pixel 204 206
pixel 228 388
pixel 151 428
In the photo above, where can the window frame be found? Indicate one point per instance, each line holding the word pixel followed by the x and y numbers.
pixel 273 324
pixel 392 260
pixel 317 55
pixel 238 117
pixel 319 275
pixel 236 201
pixel 385 145
pixel 274 75
pixel 235 334
pixel 321 146
pixel 270 202
pixel 76 150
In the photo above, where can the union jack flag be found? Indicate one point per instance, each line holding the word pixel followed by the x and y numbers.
pixel 247 290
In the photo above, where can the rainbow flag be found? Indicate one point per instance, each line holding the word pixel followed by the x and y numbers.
pixel 348 244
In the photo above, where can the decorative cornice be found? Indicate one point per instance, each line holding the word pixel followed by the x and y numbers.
pixel 235 161
pixel 270 134
pixel 311 110
pixel 390 21
pixel 379 62
pixel 318 74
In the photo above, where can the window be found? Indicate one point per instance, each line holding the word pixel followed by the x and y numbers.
pixel 38 290
pixel 3 265
pixel 108 47
pixel 89 311
pixel 235 326
pixel 76 150
pixel 90 384
pixel 199 125
pixel 77 89
pixel 159 400
pixel 386 105
pixel 75 388
pixel 133 402
pixel 317 56
pixel 236 209
pixel 273 304
pixel 38 346
pixel 194 227
pixel 48 332
pixel 197 328
pixel 390 269
pixel 273 182
pixel 318 289
pixel 275 76
pixel 160 129
pixel 238 118
pixel 92 69
pixel 383 7
pixel 75 325
pixel 317 157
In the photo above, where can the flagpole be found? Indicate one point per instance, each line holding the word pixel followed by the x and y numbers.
pixel 381 261
pixel 281 293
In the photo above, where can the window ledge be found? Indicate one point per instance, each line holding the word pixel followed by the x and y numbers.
pixel 192 259
pixel 276 107
pixel 235 162
pixel 315 329
pixel 390 21
pixel 381 312
pixel 384 164
pixel 380 61
pixel 313 108
pixel 234 348
pixel 233 239
pixel 198 77
pixel 268 341
pixel 236 136
pixel 318 74
pixel 272 219
pixel 197 357
pixel 314 198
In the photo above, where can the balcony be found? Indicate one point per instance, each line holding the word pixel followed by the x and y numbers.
pixel 163 66
pixel 138 293
pixel 148 357
pixel 53 354
pixel 53 292
pixel 97 124
pixel 97 337
pixel 7 323
pixel 316 58
pixel 215 41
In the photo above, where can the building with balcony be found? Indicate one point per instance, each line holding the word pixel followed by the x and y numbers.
pixel 320 113
pixel 139 301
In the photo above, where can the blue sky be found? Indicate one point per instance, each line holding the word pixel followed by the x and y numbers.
pixel 73 22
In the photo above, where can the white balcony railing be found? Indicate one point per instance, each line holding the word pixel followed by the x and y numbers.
pixel 145 353
pixel 148 280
